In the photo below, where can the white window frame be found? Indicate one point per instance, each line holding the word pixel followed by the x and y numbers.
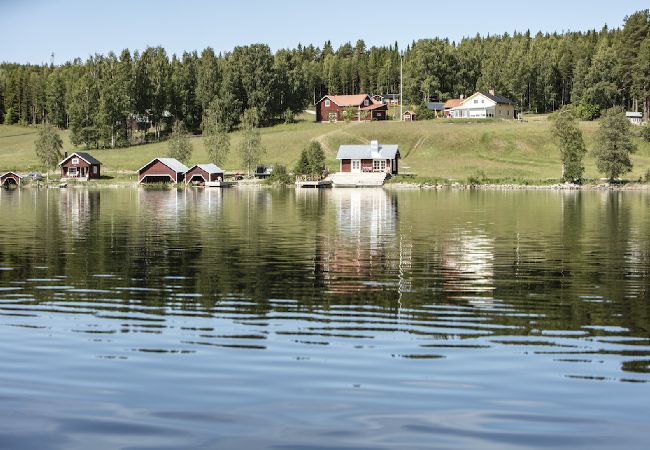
pixel 365 102
pixel 355 165
pixel 72 171
pixel 75 160
pixel 327 103
pixel 95 170
pixel 379 165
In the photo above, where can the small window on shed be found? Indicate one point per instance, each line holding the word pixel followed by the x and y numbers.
pixel 75 160
pixel 327 103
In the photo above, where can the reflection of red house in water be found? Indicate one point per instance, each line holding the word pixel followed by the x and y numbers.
pixel 331 108
pixel 364 245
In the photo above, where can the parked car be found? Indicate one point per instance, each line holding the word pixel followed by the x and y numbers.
pixel 35 176
pixel 263 171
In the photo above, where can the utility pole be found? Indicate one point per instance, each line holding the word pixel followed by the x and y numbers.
pixel 401 87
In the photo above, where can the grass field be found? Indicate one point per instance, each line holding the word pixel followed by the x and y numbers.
pixel 444 149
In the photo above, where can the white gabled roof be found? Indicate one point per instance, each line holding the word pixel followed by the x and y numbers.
pixel 370 151
pixel 634 115
pixel 172 163
pixel 209 168
pixel 10 173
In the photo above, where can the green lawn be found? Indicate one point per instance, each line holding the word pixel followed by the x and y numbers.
pixel 445 149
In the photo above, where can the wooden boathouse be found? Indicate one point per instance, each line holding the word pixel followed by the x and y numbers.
pixel 162 170
pixel 10 178
pixel 204 173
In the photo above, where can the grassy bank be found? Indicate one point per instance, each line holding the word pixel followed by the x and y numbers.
pixel 505 151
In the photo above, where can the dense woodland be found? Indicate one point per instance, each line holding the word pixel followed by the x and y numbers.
pixel 96 98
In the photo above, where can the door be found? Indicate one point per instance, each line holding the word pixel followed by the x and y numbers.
pixel 356 165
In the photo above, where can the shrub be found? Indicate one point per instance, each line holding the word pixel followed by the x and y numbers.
pixel 587 111
pixel 645 132
pixel 424 113
pixel 289 117
pixel 280 175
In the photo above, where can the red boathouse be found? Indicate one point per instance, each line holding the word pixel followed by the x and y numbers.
pixel 10 178
pixel 161 170
pixel 201 173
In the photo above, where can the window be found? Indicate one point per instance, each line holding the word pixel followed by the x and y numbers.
pixel 95 170
pixel 482 101
pixel 72 171
pixel 356 165
pixel 476 101
pixel 75 160
pixel 378 165
pixel 327 103
pixel 365 102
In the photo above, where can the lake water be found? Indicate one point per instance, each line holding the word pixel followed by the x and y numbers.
pixel 337 319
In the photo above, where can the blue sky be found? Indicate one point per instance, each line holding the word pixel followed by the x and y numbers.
pixel 32 30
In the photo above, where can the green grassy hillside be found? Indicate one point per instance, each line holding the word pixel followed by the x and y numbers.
pixel 497 150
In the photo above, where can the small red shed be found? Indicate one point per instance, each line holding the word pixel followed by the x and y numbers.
pixel 160 170
pixel 80 165
pixel 409 116
pixel 204 172
pixel 10 178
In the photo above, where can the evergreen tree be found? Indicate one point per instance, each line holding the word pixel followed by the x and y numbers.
pixel 614 144
pixel 179 144
pixel 570 143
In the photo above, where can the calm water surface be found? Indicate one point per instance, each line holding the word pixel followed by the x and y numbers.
pixel 340 319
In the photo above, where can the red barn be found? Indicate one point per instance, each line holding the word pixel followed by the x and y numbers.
pixel 80 165
pixel 204 173
pixel 162 170
pixel 10 178
pixel 331 108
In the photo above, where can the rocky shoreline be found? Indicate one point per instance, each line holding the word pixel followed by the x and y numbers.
pixel 522 187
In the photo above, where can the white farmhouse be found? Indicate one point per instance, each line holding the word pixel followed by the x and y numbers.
pixel 635 118
pixel 484 105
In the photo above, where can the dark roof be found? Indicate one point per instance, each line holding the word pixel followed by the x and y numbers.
pixel 436 106
pixel 83 155
pixel 498 98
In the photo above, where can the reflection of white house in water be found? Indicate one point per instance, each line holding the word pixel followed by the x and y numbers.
pixel 365 241
pixel 468 262
pixel 77 206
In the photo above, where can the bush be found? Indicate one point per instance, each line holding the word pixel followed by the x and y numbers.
pixel 280 175
pixel 645 132
pixel 587 111
pixel 289 117
pixel 424 113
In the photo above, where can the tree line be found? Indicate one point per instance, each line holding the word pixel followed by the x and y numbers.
pixel 99 98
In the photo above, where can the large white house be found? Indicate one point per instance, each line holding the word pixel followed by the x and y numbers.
pixel 484 105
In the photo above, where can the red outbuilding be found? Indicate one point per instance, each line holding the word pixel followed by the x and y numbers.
pixel 80 165
pixel 361 107
pixel 162 170
pixel 202 173
pixel 10 178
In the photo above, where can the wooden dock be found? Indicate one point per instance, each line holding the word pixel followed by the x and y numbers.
pixel 219 184
pixel 317 184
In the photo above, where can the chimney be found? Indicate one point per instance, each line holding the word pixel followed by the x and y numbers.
pixel 374 146
pixel 65 154
pixel 493 92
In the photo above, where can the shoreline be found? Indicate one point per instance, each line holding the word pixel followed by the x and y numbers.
pixel 631 186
